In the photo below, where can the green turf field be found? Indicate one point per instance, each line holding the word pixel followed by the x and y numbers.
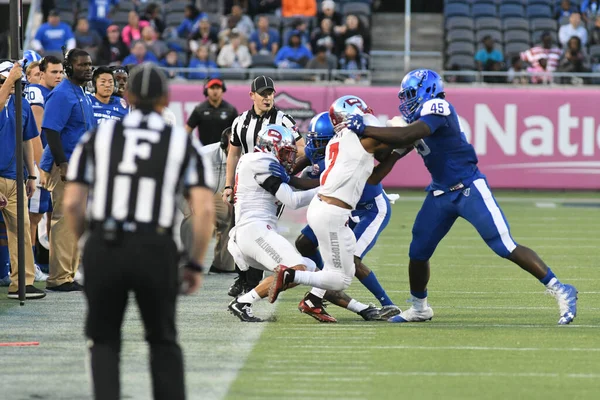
pixel 493 336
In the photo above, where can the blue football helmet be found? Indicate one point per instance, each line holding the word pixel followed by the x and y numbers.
pixel 416 88
pixel 320 131
pixel 31 56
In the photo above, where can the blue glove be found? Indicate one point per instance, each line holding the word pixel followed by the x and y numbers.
pixel 278 171
pixel 356 124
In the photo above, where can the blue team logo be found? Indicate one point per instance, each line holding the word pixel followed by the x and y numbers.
pixel 423 74
pixel 467 192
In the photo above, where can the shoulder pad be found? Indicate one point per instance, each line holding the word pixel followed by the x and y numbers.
pixel 371 120
pixel 34 95
pixel 436 107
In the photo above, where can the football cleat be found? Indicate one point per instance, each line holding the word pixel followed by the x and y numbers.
pixel 243 311
pixel 413 315
pixel 283 276
pixel 237 288
pixel 317 311
pixel 371 313
pixel 566 295
pixel 389 311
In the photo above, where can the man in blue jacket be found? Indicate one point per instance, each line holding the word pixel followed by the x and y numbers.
pixel 53 35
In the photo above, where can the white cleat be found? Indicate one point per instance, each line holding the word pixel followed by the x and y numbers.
pixel 39 275
pixel 413 315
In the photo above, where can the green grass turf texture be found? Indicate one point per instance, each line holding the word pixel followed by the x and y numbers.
pixel 493 336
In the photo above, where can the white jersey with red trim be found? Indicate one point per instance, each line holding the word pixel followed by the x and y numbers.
pixel 347 165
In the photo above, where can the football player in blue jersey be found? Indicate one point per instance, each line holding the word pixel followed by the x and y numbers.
pixel 51 69
pixel 371 216
pixel 458 189
pixel 107 106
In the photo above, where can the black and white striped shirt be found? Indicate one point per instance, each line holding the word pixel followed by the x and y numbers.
pixel 246 126
pixel 136 168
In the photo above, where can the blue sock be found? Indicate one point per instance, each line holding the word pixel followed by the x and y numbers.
pixel 4 261
pixel 549 276
pixel 371 283
pixel 419 295
pixel 317 259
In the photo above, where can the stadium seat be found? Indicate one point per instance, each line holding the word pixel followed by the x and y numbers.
pixel 214 19
pixel 516 36
pixel 459 23
pixel 537 35
pixel 274 21
pixel 517 2
pixel 464 62
pixel 497 46
pixel 174 18
pixel 539 11
pixel 121 18
pixel 178 44
pixel 595 50
pixel 468 2
pixel 356 8
pixel 455 48
pixel 511 10
pixel 68 17
pixel 515 48
pixel 516 23
pixel 263 61
pixel 126 6
pixel 564 20
pixel 174 6
pixel 538 24
pixel 456 10
pixel 460 35
pixel 545 2
pixel 488 23
pixel 483 10
pixel 496 35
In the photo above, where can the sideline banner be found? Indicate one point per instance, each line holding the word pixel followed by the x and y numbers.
pixel 526 138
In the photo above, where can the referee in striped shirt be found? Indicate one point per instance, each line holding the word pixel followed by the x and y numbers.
pixel 244 132
pixel 134 169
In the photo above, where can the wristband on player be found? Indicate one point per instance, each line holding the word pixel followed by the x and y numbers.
pixel 31 178
pixel 227 187
pixel 193 266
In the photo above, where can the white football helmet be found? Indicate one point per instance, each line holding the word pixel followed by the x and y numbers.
pixel 345 106
pixel 279 141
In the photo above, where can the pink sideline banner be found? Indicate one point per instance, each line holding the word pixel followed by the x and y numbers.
pixel 526 138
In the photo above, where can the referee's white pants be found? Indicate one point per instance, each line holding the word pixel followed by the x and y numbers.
pixel 336 243
pixel 258 245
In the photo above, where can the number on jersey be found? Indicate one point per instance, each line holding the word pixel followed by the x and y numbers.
pixel 422 147
pixel 436 107
pixel 332 153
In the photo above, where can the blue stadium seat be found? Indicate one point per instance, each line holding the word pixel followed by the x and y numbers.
pixel 515 48
pixel 488 23
pixel 539 11
pixel 495 34
pixel 457 9
pixel 511 10
pixel 174 18
pixel 466 48
pixel 459 22
pixel 516 35
pixel 516 23
pixel 458 35
pixel 483 10
pixel 463 61
pixel 538 24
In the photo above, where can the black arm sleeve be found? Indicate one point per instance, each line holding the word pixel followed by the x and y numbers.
pixel 56 147
pixel 271 184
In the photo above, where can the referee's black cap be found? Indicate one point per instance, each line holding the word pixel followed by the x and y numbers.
pixel 262 83
pixel 147 81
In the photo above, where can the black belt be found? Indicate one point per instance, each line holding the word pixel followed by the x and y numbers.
pixel 111 225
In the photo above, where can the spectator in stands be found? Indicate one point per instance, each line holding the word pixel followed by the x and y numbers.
pixel 565 10
pixel 574 59
pixel 157 47
pixel 205 36
pixel 243 23
pixel 516 73
pixel 328 11
pixel 264 40
pixel 87 39
pixel 112 51
pixel 488 56
pixel 133 30
pixel 153 16
pixel 298 8
pixel 52 35
pixel 201 61
pixel 573 28
pixel 595 32
pixel 99 12
pixel 190 22
pixel 301 26
pixel 294 55
pixel 257 7
pixel 322 60
pixel 139 54
pixel 324 36
pixel 353 60
pixel 547 51
pixel 172 61
pixel 234 54
pixel 590 10
pixel 542 74
pixel 353 28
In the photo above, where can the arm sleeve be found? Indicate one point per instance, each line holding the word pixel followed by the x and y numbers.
pixel 55 146
pixel 81 165
pixel 292 199
pixel 289 122
pixel 235 138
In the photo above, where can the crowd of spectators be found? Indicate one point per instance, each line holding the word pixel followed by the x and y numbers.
pixel 283 34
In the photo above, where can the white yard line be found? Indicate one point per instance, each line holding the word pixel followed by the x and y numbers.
pixel 366 374
pixel 443 348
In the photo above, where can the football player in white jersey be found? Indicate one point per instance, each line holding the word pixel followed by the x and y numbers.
pixel 254 241
pixel 349 161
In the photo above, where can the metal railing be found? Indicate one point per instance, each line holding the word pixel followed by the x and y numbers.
pixel 546 78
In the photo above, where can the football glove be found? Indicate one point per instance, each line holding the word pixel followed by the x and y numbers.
pixel 356 124
pixel 278 171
